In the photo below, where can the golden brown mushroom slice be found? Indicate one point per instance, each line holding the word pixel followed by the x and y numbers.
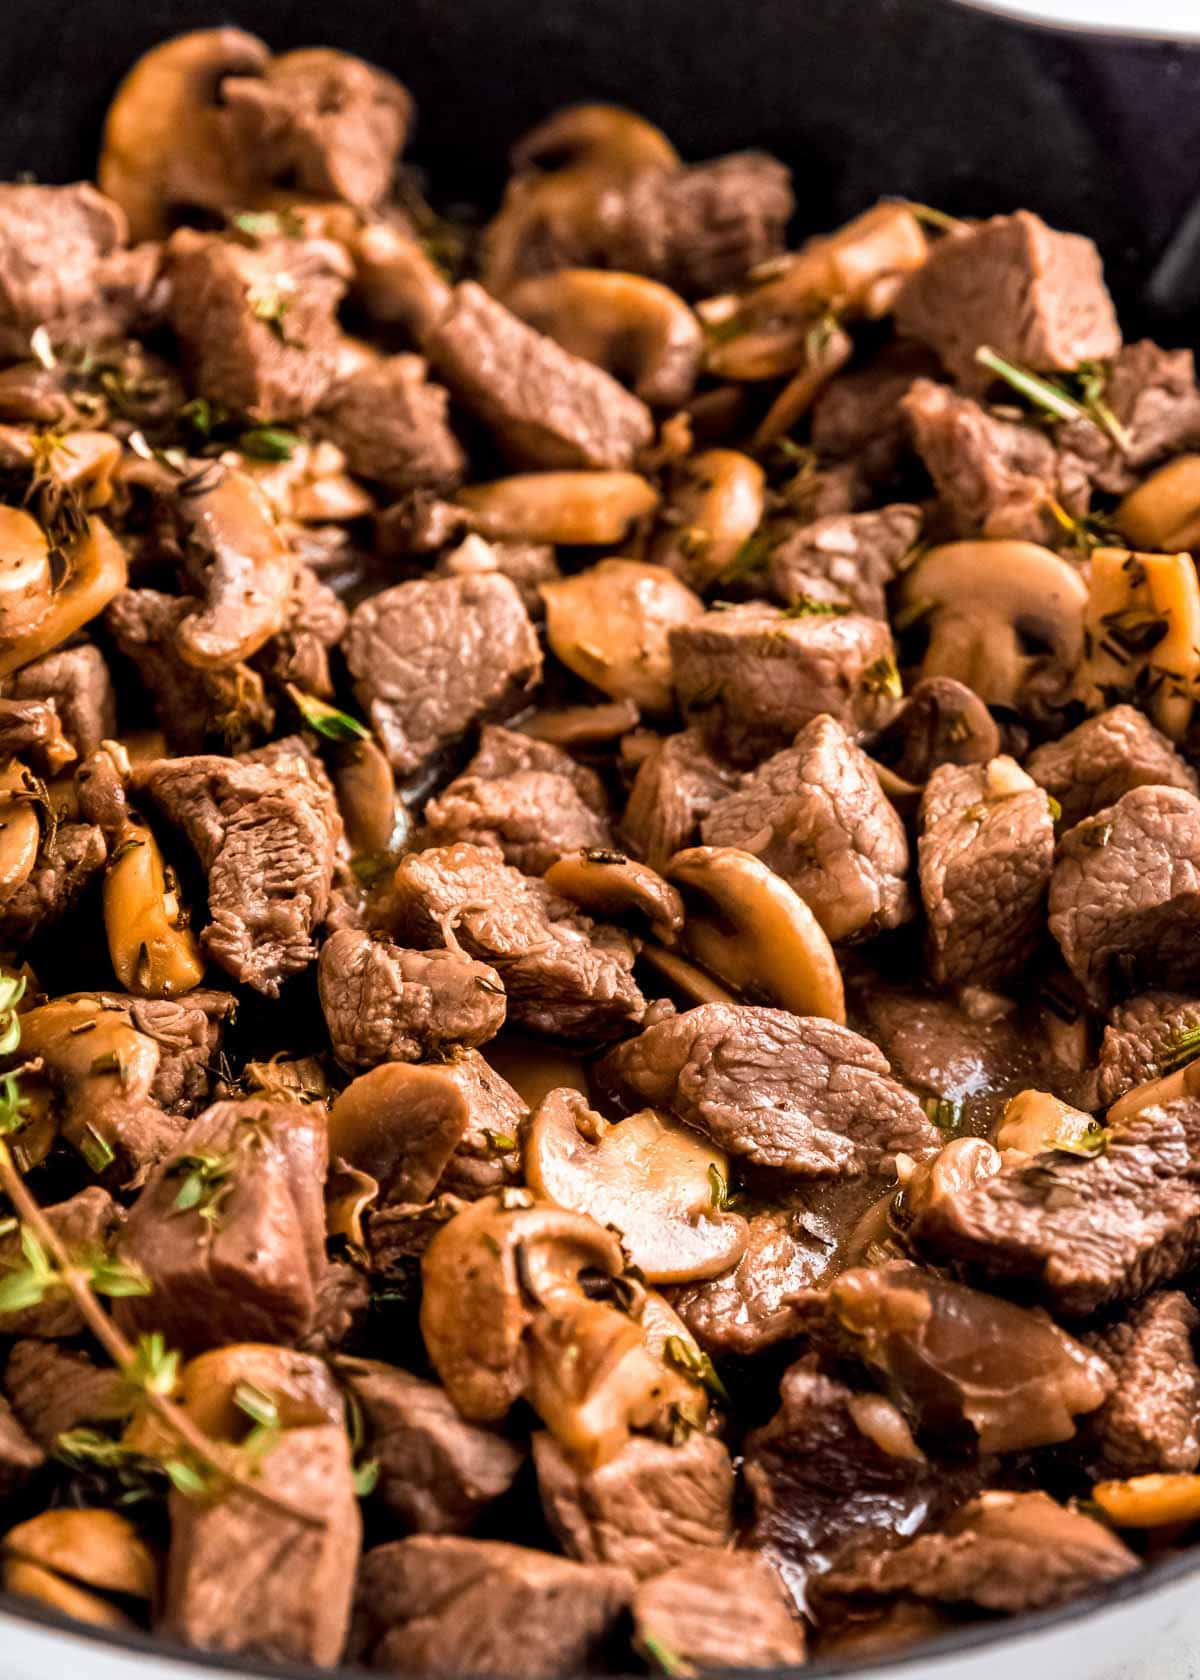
pixel 609 885
pixel 1163 513
pixel 104 1068
pixel 349 1196
pixel 657 1182
pixel 1184 1082
pixel 608 138
pixel 168 143
pixel 400 1123
pixel 366 791
pixel 685 979
pixel 96 570
pixel 579 508
pixel 83 462
pixel 245 567
pixel 755 933
pixel 1035 1122
pixel 610 624
pixel 222 1390
pixel 20 830
pixel 583 726
pixel 715 505
pixel 99 1548
pixel 635 328
pixel 26 584
pixel 1153 1501
pixel 30 1580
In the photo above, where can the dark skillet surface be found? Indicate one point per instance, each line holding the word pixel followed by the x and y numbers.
pixel 861 97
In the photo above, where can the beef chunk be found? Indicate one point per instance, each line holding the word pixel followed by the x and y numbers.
pixel 391 424
pixel 751 676
pixel 800 1094
pixel 985 855
pixel 487 1156
pixel 821 1483
pixel 564 975
pixel 471 1607
pixel 645 1509
pixel 714 1611
pixel 316 621
pixel 436 1470
pixel 191 705
pixel 1151 1422
pixel 267 839
pixel 86 1224
pixel 527 798
pixel 68 859
pixel 1105 757
pixel 817 491
pixel 187 1032
pixel 677 784
pixel 702 229
pixel 858 417
pixel 1152 394
pixel 53 1389
pixel 1125 897
pixel 942 722
pixel 432 657
pixel 251 1274
pixel 527 564
pixel 384 1004
pixel 30 731
pixel 1086 1232
pixel 844 560
pixel 1143 1039
pixel 322 121
pixel 1033 295
pixel 20 1457
pixel 547 407
pixel 816 814
pixel 258 327
pixel 294 1604
pixel 77 680
pixel 994 477
pixel 61 267
pixel 959 1363
pixel 1002 1551
pixel 343 1302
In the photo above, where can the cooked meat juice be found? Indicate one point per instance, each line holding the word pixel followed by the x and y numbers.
pixel 599 887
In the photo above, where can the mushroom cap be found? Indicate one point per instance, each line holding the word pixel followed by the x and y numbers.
pixel 401 1122
pixel 579 508
pixel 609 624
pixel 608 884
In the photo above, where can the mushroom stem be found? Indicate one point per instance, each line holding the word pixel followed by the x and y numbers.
pixel 123 1355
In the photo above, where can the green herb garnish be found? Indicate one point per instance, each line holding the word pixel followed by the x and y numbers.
pixel 269 443
pixel 1054 397
pixel 806 607
pixel 685 1356
pixel 1182 1048
pixel 327 720
pixel 946 1113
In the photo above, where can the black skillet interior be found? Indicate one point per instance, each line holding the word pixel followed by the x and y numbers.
pixel 861 97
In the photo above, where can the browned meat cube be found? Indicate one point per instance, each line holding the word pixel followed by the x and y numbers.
pixel 677 784
pixel 1142 1039
pixel 1094 765
pixel 717 1610
pixel 53 1389
pixel 77 680
pixel 1151 393
pixel 1150 1424
pixel 845 560
pixel 391 424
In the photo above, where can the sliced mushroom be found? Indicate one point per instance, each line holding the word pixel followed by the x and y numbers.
pixel 99 1548
pixel 401 1123
pixel 826 352
pixel 26 584
pixel 637 329
pixel 1184 1082
pixel 397 281
pixel 1163 513
pixel 366 790
pixel 97 570
pixel 237 553
pixel 609 885
pixel 715 505
pixel 979 599
pixel 1035 1122
pixel 963 1163
pixel 610 623
pixel 349 1196
pixel 648 1177
pixel 603 137
pixel 311 485
pixel 758 935
pixel 219 1389
pixel 30 1580
pixel 583 726
pixel 1143 626
pixel 685 979
pixel 585 508
pixel 81 462
pixel 20 830
pixel 1155 1501
pixel 168 144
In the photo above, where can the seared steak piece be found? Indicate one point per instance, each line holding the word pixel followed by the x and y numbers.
pixel 1125 897
pixel 472 1607
pixel 994 477
pixel 321 121
pixel 86 1224
pixel 858 417
pixel 1087 1232
pixel 1152 393
pixel 294 1605
pixel 230 1229
pixel 30 731
pixel 187 1031
pixel 845 559
pixel 1033 295
pixel 258 327
pixel 1151 1421
pixel 816 814
pixel 316 622
pixel 677 784
pixel 437 1472
pixel 267 839
pixel 718 1610
pixel 432 657
pixel 67 860
pixel 985 855
pixel 52 1389
pixel 565 976
pixel 488 1155
pixel 391 424
pixel 20 1456
pixel 527 564
pixel 751 676
pixel 802 1095
pixel 646 1508
pixel 1002 1551
pixel 527 798
pixel 385 1004
pixel 76 679
pixel 547 407
pixel 942 722
pixel 62 267
pixel 1144 1037
pixel 1091 767
pixel 702 229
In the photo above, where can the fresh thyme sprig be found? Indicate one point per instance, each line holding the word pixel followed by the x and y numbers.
pixel 1053 397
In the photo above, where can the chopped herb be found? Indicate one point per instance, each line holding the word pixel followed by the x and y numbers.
pixel 269 304
pixel 327 720
pixel 118 1279
pixel 806 607
pixel 603 854
pixel 96 1151
pixel 154 1368
pixel 1096 834
pixel 259 226
pixel 125 847
pixel 371 867
pixel 946 1113
pixel 752 557
pixel 718 1186
pixel 257 1406
pixel 187 1479
pixel 685 1356
pixel 366 1477
pixel 883 676
pixel 1182 1047
pixel 269 443
pixel 1093 1141
pixel 1054 807
pixel 205 1182
pixel 931 217
pixel 499 1143
pixel 1053 397
pixel 663 1658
